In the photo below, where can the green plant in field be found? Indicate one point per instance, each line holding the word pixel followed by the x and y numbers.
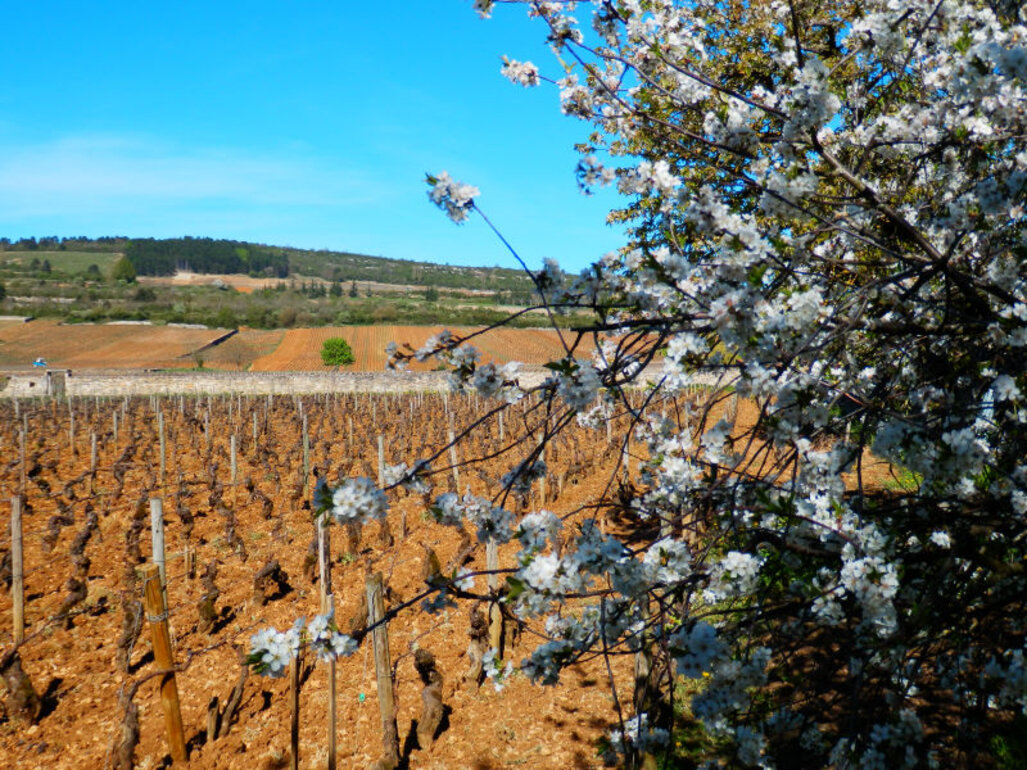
pixel 335 351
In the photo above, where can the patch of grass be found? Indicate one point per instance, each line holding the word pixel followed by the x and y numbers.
pixel 690 745
pixel 69 262
pixel 1009 747
pixel 903 480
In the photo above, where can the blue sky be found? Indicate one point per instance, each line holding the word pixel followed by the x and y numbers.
pixel 303 124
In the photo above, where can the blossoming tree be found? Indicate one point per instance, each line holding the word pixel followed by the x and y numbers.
pixel 825 206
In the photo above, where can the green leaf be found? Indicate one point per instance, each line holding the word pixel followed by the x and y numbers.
pixel 514 587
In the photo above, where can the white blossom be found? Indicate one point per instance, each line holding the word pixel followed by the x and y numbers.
pixel 522 73
pixel 455 198
pixel 358 501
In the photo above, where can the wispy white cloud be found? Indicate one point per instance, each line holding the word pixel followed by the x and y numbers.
pixel 86 174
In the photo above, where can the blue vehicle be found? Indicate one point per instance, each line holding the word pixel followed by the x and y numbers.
pixel 40 363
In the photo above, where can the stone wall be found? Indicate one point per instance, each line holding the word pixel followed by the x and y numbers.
pixel 37 384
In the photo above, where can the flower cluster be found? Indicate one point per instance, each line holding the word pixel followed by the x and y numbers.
pixel 324 639
pixel 493 381
pixel 639 735
pixel 357 501
pixel 455 198
pixel 523 73
pixel 496 670
pixel 733 575
pixel 521 477
pixel 272 651
pixel 491 522
pixel 578 384
pixel 696 649
pixel 413 479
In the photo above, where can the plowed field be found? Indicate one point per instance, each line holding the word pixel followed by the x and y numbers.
pixel 301 348
pixel 103 346
pixel 100 345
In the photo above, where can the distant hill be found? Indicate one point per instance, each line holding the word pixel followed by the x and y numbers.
pixel 228 284
pixel 165 256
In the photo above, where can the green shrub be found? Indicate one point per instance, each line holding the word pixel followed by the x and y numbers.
pixel 335 351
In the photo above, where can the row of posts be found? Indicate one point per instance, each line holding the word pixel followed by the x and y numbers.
pixel 155 593
pixel 154 578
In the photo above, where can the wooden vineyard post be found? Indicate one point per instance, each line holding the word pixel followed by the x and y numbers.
pixel 294 711
pixel 306 456
pixel 643 692
pixel 383 669
pixel 495 614
pixel 254 431
pixel 233 464
pixel 381 484
pixel 21 464
pixel 157 536
pixel 542 478
pixel 17 571
pixel 502 435
pixel 71 427
pixel 454 461
pixel 163 446
pixel 328 608
pixel 92 462
pixel 157 615
pixel 114 416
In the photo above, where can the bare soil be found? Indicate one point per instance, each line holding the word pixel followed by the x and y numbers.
pixel 100 346
pixel 72 659
pixel 72 663
pixel 300 349
pixel 121 346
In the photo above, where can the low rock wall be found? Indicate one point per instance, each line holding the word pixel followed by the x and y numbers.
pixel 202 383
pixel 61 383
